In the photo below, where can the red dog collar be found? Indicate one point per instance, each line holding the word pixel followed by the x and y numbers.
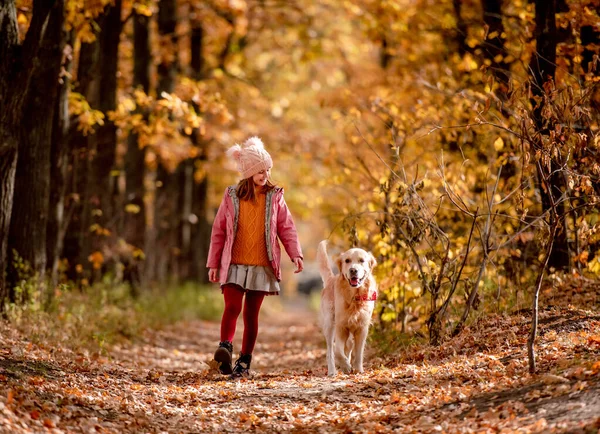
pixel 366 297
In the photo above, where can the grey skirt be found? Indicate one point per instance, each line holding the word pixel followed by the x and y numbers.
pixel 253 278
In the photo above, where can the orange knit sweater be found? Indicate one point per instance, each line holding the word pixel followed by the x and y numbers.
pixel 249 246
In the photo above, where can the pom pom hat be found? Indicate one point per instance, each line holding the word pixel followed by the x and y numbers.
pixel 251 157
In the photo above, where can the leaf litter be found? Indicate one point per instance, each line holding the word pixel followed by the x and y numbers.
pixel 167 383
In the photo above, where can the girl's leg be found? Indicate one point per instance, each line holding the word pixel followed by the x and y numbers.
pixel 233 306
pixel 252 305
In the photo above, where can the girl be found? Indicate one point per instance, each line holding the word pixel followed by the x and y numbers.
pixel 244 254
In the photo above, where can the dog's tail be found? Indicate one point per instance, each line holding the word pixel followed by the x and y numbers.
pixel 323 261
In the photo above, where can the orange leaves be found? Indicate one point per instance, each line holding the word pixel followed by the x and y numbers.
pixel 475 382
pixel 97 259
pixel 87 118
pixel 49 423
pixel 80 16
pixel 143 7
pixel 594 341
pixel 10 397
pixel 165 125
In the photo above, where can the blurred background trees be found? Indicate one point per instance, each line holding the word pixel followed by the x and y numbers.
pixel 447 137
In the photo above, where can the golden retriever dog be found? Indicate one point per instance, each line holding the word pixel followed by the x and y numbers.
pixel 347 303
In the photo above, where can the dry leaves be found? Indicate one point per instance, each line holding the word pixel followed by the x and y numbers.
pixel 477 382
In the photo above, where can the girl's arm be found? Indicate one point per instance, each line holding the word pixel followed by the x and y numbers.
pixel 286 231
pixel 217 237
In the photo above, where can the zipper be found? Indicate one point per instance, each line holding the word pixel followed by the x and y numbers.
pixel 268 214
pixel 236 211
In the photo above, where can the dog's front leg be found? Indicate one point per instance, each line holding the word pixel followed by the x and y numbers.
pixel 341 336
pixel 329 331
pixel 360 339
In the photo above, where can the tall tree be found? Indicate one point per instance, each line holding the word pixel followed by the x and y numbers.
pixel 102 189
pixel 93 155
pixel 166 216
pixel 461 28
pixel 135 168
pixel 195 233
pixel 27 234
pixel 76 243
pixel 493 46
pixel 17 61
pixel 543 69
pixel 59 158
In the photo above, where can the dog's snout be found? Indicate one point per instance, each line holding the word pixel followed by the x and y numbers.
pixel 353 271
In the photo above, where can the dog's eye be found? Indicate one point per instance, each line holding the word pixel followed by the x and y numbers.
pixel 361 260
pixel 347 261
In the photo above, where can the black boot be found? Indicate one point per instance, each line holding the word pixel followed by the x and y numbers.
pixel 223 355
pixel 242 366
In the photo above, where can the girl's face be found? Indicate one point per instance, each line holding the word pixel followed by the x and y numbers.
pixel 261 177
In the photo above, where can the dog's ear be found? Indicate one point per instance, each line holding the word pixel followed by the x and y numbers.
pixel 338 262
pixel 372 261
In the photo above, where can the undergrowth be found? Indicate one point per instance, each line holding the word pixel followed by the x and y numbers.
pixel 95 317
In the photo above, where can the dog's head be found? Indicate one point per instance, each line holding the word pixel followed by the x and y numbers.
pixel 356 265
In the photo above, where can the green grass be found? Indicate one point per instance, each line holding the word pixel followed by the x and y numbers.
pixel 103 314
pixel 186 302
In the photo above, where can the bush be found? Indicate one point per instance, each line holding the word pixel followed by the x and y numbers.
pixel 103 314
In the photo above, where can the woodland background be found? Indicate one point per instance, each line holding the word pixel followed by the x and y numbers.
pixel 457 140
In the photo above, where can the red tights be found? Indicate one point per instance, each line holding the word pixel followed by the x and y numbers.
pixel 233 306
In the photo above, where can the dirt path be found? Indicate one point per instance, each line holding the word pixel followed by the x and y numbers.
pixel 164 384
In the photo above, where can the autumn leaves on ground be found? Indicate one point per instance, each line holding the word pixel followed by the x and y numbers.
pixel 163 381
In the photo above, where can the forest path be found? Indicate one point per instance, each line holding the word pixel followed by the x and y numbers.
pixel 477 382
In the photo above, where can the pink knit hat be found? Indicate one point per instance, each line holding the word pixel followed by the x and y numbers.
pixel 251 157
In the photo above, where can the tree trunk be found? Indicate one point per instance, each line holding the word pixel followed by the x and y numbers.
pixel 166 216
pixel 16 69
pixel 103 184
pixel 543 68
pixel 167 66
pixel 188 221
pixel 92 187
pixel 135 215
pixel 494 45
pixel 8 166
pixel 27 233
pixel 197 56
pixel 77 242
pixel 106 136
pixel 200 232
pixel 59 156
pixel 461 28
pixel 196 228
pixel 167 221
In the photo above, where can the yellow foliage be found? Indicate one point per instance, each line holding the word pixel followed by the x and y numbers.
pixel 80 17
pixel 132 208
pixel 594 266
pixel 499 144
pixel 87 118
pixel 139 254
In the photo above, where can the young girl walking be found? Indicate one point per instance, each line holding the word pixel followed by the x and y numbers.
pixel 244 255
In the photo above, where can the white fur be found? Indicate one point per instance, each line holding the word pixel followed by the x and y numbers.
pixel 254 141
pixel 345 321
pixel 235 152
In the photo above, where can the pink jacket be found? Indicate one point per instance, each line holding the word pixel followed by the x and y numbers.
pixel 278 223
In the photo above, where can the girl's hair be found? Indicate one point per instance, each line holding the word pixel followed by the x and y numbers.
pixel 246 189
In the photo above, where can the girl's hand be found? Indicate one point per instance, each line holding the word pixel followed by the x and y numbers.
pixel 299 265
pixel 213 274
